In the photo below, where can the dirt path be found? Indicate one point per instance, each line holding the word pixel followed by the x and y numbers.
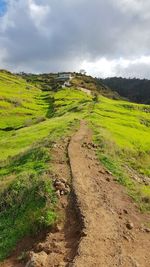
pixel 100 225
pixel 87 91
pixel 107 213
pixel 58 246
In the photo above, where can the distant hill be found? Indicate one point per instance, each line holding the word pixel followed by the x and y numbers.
pixel 95 85
pixel 136 90
pixel 49 82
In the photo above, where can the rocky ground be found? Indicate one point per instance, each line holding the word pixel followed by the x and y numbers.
pixel 100 225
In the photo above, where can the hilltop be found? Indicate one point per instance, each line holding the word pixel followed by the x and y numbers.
pixel 49 82
pixel 74 173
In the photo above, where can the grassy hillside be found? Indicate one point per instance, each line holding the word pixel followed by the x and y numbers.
pixel 21 104
pixel 95 85
pixel 122 131
pixel 32 120
pixel 31 123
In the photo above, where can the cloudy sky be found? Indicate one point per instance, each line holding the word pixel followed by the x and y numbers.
pixel 104 37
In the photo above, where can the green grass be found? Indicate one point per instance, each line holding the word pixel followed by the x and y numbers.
pixel 27 211
pixel 122 123
pixel 32 120
pixel 17 142
pixel 69 101
pixel 123 135
pixel 21 104
pixel 27 198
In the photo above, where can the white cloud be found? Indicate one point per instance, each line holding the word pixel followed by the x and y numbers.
pixel 38 13
pixel 100 68
pixel 126 67
pixel 105 37
pixel 137 7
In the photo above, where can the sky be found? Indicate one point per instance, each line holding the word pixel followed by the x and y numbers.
pixel 2 7
pixel 104 37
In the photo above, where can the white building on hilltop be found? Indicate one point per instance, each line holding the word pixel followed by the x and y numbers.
pixel 64 76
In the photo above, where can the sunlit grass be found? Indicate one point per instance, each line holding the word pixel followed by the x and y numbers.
pixel 16 142
pixel 31 121
pixel 123 134
pixel 71 100
pixel 20 102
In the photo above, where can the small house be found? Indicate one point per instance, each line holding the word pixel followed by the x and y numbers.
pixel 64 76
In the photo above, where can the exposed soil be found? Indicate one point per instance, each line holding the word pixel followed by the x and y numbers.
pixel 100 225
pixel 87 91
pixel 113 233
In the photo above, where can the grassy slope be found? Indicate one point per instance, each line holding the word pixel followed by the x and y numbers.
pixel 68 106
pixel 21 104
pixel 122 131
pixel 27 200
pixel 94 85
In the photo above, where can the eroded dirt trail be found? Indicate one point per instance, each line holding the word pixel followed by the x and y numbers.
pixel 56 247
pixel 99 225
pixel 107 212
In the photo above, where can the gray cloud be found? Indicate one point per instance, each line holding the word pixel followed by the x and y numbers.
pixel 138 70
pixel 48 35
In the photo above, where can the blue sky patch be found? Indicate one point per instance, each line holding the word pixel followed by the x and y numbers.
pixel 3 7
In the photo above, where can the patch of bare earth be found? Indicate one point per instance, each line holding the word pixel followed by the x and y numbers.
pixel 100 225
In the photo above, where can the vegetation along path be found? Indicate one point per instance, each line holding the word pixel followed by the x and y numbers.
pixel 102 226
pixel 59 206
pixel 112 233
